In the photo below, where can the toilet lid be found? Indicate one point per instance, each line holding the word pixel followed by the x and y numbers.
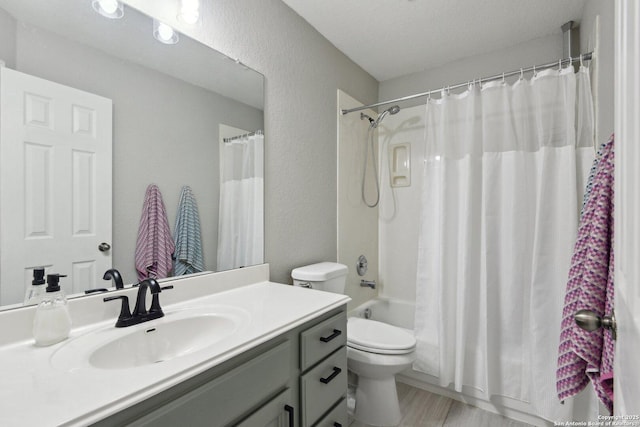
pixel 377 337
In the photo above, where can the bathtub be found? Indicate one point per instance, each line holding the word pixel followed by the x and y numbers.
pixel 401 313
pixel 392 311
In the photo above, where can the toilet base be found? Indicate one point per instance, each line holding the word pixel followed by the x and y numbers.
pixel 377 402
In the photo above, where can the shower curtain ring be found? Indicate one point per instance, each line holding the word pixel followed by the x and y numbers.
pixel 559 64
pixel 581 63
pixel 502 78
pixel 534 71
pixel 521 73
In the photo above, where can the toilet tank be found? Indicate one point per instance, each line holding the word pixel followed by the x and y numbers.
pixel 323 276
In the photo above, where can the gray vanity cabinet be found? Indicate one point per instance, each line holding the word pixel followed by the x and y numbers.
pixel 289 381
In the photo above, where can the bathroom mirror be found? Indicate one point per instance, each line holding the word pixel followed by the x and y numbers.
pixel 172 106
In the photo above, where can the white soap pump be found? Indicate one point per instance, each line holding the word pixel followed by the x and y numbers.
pixel 52 322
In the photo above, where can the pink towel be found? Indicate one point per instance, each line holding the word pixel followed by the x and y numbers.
pixel 155 244
pixel 588 356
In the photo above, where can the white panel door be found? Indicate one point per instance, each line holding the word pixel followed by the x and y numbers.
pixel 55 183
pixel 627 212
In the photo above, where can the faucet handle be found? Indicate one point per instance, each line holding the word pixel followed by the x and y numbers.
pixel 155 300
pixel 124 318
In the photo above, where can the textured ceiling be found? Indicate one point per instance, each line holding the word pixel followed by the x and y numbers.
pixel 392 38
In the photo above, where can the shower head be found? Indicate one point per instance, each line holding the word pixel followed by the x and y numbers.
pixel 391 110
pixel 394 110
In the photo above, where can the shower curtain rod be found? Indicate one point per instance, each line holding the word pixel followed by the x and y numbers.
pixel 570 60
pixel 233 138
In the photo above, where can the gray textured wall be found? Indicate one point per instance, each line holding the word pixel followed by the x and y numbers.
pixel 302 74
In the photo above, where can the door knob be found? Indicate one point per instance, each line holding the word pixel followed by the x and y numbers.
pixel 590 321
pixel 104 247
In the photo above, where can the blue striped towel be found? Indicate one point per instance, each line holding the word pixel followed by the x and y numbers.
pixel 188 253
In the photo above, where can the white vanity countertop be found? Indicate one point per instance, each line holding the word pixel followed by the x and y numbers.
pixel 34 392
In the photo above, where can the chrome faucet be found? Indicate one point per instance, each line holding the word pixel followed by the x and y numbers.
pixel 368 283
pixel 140 313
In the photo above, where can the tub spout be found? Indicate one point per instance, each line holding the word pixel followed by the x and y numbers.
pixel 368 284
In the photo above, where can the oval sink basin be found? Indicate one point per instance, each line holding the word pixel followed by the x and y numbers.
pixel 176 335
pixel 162 342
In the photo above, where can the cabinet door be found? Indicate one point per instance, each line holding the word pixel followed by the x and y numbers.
pixel 278 412
pixel 227 398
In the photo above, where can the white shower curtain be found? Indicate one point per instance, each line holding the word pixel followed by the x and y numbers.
pixel 505 170
pixel 240 224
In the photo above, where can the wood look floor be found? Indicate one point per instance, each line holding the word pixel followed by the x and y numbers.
pixel 423 409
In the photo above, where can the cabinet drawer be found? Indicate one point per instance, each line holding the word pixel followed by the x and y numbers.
pixel 337 417
pixel 321 340
pixel 323 386
pixel 229 396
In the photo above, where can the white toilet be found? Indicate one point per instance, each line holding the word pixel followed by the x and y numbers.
pixel 376 351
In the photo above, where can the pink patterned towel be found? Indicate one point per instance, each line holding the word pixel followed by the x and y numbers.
pixel 584 355
pixel 155 244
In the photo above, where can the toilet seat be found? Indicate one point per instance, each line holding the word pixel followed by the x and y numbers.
pixel 378 337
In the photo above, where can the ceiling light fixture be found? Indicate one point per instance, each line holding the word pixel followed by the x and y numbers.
pixel 164 33
pixel 189 11
pixel 111 9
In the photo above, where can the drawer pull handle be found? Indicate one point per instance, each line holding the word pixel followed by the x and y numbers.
pixel 289 410
pixel 336 333
pixel 334 374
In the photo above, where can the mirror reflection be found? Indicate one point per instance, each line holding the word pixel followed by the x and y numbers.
pixel 103 127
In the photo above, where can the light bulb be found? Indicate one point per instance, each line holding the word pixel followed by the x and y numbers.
pixel 189 17
pixel 111 9
pixel 164 33
pixel 190 11
pixel 109 6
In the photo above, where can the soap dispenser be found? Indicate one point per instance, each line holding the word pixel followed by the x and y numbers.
pixel 52 322
pixel 36 291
